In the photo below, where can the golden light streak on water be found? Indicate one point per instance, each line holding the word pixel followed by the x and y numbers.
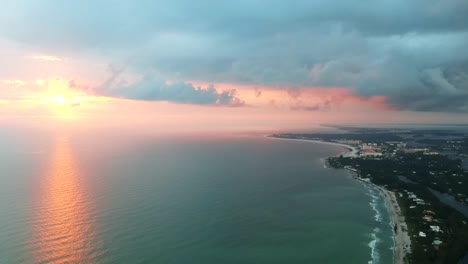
pixel 63 229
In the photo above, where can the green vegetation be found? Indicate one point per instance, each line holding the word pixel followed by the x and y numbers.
pixel 420 172
pixel 459 146
pixel 422 167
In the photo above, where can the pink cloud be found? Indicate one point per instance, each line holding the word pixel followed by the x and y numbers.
pixel 306 98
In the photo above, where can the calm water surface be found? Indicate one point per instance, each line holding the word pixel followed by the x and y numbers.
pixel 81 199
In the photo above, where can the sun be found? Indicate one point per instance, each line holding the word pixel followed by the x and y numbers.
pixel 59 99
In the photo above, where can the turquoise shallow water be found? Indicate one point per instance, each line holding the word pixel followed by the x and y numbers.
pixel 76 199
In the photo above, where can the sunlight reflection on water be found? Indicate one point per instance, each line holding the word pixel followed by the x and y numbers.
pixel 63 230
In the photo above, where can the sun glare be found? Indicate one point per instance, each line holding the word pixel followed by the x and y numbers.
pixel 59 99
pixel 56 98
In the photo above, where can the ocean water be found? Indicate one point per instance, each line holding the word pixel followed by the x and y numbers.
pixel 68 198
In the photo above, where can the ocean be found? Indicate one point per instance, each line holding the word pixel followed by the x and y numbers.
pixel 82 198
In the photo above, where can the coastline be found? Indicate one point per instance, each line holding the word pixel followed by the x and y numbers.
pixel 401 239
pixel 352 151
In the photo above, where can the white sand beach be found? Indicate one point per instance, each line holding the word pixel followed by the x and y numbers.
pixel 401 238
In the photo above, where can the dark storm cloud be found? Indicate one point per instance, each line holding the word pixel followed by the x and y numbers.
pixel 413 52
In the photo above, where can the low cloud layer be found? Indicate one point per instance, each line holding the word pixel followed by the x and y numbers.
pixel 152 89
pixel 411 52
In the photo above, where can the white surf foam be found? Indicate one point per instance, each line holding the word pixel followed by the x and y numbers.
pixel 375 199
pixel 373 246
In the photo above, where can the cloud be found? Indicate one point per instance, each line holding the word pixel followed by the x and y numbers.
pixel 257 92
pixel 153 89
pixel 45 58
pixel 413 53
pixel 300 106
pixel 13 82
pixel 442 88
pixel 327 99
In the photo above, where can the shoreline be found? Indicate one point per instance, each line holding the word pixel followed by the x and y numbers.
pixel 352 151
pixel 401 239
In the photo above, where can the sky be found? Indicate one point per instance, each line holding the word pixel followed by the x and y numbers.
pixel 245 64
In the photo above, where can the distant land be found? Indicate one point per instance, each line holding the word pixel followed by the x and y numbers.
pixel 423 175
